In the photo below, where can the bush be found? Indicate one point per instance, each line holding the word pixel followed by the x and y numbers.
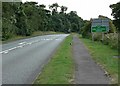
pixel 86 30
pixel 112 40
pixel 8 29
pixel 97 36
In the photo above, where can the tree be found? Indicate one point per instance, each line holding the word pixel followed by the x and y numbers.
pixel 116 14
pixel 25 18
pixel 63 9
pixel 9 19
pixel 54 8
pixel 75 21
pixel 86 29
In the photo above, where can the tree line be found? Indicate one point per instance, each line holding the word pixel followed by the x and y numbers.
pixel 25 18
pixel 116 14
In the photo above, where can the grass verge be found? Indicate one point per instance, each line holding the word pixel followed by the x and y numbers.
pixel 104 55
pixel 59 69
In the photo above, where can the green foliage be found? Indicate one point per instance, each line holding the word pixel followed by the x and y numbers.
pixel 29 17
pixel 54 8
pixel 63 9
pixel 8 20
pixel 74 27
pixel 86 30
pixel 111 40
pixel 97 36
pixel 112 27
pixel 76 21
pixel 8 29
pixel 116 14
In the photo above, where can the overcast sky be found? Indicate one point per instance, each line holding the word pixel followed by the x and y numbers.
pixel 85 8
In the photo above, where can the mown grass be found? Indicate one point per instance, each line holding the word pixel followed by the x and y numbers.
pixel 59 69
pixel 103 54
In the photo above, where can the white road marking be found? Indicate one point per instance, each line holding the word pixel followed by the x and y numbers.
pixel 12 48
pixel 50 39
pixel 6 51
pixel 22 43
pixel 19 46
pixel 47 39
pixel 57 39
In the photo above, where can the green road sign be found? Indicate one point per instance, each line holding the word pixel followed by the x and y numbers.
pixel 99 29
pixel 100 25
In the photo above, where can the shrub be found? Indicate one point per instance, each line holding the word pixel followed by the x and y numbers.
pixel 112 40
pixel 8 29
pixel 86 30
pixel 97 36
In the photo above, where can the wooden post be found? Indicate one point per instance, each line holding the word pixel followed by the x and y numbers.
pixel 102 36
pixel 92 36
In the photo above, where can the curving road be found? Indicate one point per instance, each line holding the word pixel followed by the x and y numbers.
pixel 23 60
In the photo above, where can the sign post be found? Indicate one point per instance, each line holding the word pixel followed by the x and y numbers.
pixel 99 25
pixel 92 36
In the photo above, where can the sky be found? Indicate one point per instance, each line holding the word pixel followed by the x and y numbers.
pixel 86 9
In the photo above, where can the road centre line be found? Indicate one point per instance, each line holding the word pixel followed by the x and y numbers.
pixel 22 44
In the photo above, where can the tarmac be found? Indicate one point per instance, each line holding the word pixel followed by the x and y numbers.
pixel 86 69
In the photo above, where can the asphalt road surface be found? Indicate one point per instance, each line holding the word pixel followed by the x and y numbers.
pixel 86 70
pixel 23 60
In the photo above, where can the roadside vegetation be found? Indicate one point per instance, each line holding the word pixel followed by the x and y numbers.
pixel 109 37
pixel 104 56
pixel 23 19
pixel 60 68
pixel 105 51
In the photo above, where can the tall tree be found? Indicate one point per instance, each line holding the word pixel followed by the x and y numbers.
pixel 9 19
pixel 63 9
pixel 54 8
pixel 26 18
pixel 116 14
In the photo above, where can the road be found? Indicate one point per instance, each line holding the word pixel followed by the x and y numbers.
pixel 23 60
